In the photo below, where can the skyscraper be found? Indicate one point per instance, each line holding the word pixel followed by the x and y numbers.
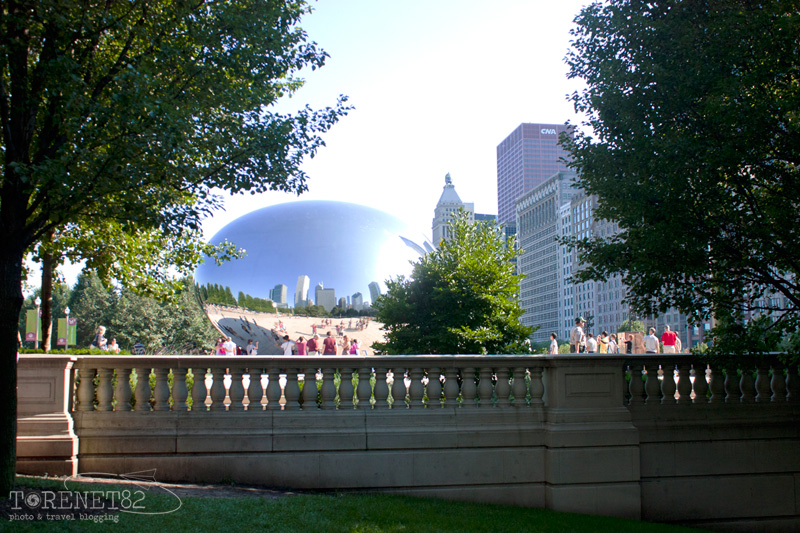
pixel 525 159
pixel 448 204
pixel 301 292
pixel 374 291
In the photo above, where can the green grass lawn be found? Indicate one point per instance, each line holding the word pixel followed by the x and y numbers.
pixel 329 513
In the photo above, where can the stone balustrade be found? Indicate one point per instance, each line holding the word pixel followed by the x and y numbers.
pixel 768 381
pixel 662 437
pixel 104 383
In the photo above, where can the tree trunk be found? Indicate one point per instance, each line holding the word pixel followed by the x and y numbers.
pixel 10 306
pixel 48 268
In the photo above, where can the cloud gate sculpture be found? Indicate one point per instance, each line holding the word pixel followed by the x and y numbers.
pixel 342 246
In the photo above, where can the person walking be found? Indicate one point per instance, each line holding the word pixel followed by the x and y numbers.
pixel 577 338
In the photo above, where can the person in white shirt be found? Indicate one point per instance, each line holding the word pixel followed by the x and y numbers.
pixel 612 344
pixel 230 347
pixel 287 345
pixel 577 339
pixel 651 342
pixel 252 349
pixel 553 345
pixel 591 344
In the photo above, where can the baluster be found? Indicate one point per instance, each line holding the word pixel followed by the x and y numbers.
pixel 451 387
pixel 381 389
pixel 179 389
pixel 537 386
pixel 485 387
pixel 273 389
pixel 398 389
pixel 778 383
pixel 700 385
pixel 292 389
pixel 684 382
pixel 142 392
pixel 792 385
pixel 105 393
pixel 310 390
pixel 434 388
pixel 236 392
pixel 364 389
pixel 651 385
pixel 747 386
pixel 217 389
pixel 668 383
pixel 502 388
pixel 762 384
pixel 347 399
pixel 731 385
pixel 468 388
pixel 416 389
pixel 636 385
pixel 255 392
pixel 123 391
pixel 717 385
pixel 199 390
pixel 328 389
pixel 86 389
pixel 161 392
pixel 519 388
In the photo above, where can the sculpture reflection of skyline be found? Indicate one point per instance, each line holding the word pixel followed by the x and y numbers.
pixel 339 246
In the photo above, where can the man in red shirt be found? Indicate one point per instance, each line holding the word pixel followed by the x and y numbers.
pixel 311 345
pixel 668 340
pixel 329 345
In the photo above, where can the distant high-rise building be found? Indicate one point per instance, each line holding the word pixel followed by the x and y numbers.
pixel 301 292
pixel 325 297
pixel 537 220
pixel 278 294
pixel 448 204
pixel 358 301
pixel 525 159
pixel 343 302
pixel 374 291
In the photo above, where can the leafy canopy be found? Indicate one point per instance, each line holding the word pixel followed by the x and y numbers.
pixel 140 112
pixel 460 299
pixel 694 151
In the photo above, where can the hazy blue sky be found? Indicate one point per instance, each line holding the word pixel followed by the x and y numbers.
pixel 436 85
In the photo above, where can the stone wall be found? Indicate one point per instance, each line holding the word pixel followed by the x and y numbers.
pixel 605 435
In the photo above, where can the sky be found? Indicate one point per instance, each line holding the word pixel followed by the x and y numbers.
pixel 436 86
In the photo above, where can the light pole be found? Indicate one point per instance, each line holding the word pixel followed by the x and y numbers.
pixel 38 302
pixel 66 340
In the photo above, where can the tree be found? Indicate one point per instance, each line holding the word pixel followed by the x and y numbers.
pixel 631 325
pixel 138 112
pixel 694 150
pixel 460 299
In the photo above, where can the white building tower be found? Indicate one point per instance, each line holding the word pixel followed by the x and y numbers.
pixel 449 203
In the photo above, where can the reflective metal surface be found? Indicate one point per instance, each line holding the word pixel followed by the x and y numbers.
pixel 341 245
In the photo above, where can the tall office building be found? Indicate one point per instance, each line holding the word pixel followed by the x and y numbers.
pixel 325 297
pixel 374 291
pixel 278 295
pixel 538 215
pixel 525 159
pixel 301 292
pixel 358 301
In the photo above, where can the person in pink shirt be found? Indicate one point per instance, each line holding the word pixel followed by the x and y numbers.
pixel 354 347
pixel 668 339
pixel 301 346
